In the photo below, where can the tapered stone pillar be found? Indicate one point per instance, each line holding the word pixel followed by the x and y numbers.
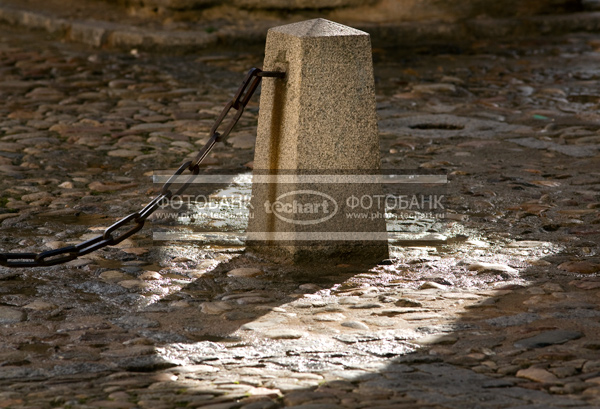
pixel 318 141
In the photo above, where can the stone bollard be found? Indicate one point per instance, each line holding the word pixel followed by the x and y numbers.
pixel 317 150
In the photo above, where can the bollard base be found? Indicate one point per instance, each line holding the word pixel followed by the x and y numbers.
pixel 357 253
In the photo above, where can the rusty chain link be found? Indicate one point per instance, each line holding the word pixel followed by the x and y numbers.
pixel 131 224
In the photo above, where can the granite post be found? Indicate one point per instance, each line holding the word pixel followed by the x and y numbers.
pixel 316 195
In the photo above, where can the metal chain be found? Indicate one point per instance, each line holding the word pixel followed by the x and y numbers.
pixel 129 225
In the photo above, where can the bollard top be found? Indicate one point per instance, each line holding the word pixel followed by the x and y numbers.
pixel 318 27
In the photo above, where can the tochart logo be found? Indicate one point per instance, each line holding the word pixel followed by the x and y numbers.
pixel 303 207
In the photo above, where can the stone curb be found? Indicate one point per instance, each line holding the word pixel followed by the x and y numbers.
pixel 114 35
pixel 415 33
pixel 106 34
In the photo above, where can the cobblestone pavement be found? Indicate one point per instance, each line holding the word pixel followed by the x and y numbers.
pixel 496 308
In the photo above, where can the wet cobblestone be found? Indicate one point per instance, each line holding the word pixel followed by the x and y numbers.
pixel 497 310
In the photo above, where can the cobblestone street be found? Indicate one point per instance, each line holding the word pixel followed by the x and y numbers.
pixel 496 307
